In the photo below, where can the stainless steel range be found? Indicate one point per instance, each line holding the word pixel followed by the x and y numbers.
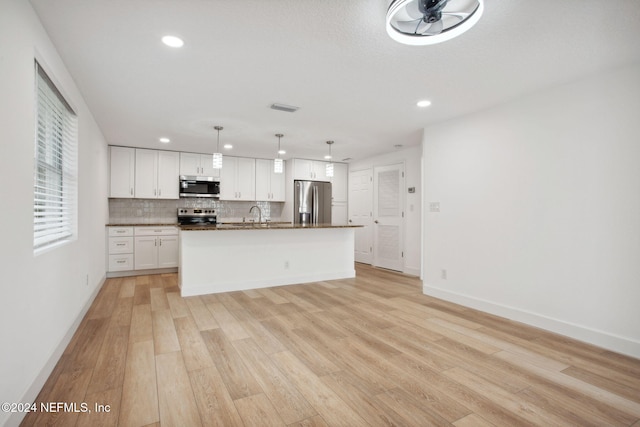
pixel 197 216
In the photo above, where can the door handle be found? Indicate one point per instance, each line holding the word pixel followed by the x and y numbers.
pixel 376 221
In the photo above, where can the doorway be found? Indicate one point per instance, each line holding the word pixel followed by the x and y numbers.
pixel 376 203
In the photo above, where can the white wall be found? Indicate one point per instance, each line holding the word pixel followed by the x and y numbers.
pixel 540 210
pixel 411 157
pixel 43 296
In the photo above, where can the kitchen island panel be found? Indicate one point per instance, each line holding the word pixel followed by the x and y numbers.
pixel 249 259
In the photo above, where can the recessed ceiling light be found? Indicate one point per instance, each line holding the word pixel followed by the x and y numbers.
pixel 327 157
pixel 172 41
pixel 423 103
pixel 228 146
pixel 282 152
pixel 165 140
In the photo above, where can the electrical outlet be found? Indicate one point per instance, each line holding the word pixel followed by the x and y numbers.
pixel 443 274
pixel 286 265
pixel 434 206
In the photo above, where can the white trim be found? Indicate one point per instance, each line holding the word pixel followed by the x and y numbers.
pixel 128 273
pixel 36 386
pixel 205 288
pixel 603 339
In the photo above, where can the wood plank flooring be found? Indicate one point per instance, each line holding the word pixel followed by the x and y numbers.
pixel 369 351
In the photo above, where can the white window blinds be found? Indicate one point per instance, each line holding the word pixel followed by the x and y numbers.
pixel 55 174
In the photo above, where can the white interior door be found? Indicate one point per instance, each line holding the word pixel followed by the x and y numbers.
pixel 361 213
pixel 388 216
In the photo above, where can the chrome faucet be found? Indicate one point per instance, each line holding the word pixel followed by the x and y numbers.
pixel 259 212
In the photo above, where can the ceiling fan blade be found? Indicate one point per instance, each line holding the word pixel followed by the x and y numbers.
pixel 460 15
pixel 409 27
pixel 431 29
pixel 413 10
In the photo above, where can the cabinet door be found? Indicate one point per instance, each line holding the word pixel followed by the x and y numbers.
pixel 122 171
pixel 339 182
pixel 167 251
pixel 168 173
pixel 246 178
pixel 206 166
pixel 319 171
pixel 278 186
pixel 146 174
pixel 190 164
pixel 146 252
pixel 228 178
pixel 264 169
pixel 339 214
pixel 302 169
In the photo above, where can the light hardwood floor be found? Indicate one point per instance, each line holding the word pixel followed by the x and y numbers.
pixel 366 351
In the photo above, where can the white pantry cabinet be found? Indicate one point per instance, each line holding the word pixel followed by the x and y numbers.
pixel 157 173
pixel 313 170
pixel 238 178
pixel 194 164
pixel 155 247
pixel 122 171
pixel 340 183
pixel 270 186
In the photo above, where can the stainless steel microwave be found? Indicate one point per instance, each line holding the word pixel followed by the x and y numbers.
pixel 199 186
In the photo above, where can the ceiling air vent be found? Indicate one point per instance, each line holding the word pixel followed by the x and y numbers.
pixel 283 107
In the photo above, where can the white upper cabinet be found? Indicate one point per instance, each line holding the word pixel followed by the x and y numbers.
pixel 238 179
pixel 122 171
pixel 156 174
pixel 310 170
pixel 270 186
pixel 339 182
pixel 197 165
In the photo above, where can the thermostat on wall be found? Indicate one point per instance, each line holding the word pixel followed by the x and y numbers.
pixel 412 189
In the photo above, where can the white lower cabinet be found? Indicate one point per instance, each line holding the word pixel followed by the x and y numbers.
pixel 142 248
pixel 155 247
pixel 120 248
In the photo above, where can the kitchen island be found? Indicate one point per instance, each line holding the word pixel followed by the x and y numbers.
pixel 234 257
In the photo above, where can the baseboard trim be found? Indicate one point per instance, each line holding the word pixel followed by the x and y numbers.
pixel 128 273
pixel 596 337
pixel 32 392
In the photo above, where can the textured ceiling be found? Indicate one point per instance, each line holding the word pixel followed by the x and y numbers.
pixel 332 58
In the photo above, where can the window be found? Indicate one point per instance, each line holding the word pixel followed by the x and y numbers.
pixel 55 171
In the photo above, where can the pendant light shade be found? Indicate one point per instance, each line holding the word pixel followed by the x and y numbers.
pixel 278 164
pixel 217 156
pixel 329 166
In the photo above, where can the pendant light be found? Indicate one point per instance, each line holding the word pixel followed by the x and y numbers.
pixel 278 166
pixel 217 156
pixel 329 167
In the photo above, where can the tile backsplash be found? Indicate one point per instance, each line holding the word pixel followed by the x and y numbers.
pixel 153 211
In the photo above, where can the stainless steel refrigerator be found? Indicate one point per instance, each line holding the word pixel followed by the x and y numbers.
pixel 311 202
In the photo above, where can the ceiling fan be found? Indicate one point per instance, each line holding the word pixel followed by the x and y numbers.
pixel 423 22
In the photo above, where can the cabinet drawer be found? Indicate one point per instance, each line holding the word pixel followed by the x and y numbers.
pixel 155 231
pixel 121 262
pixel 120 231
pixel 120 245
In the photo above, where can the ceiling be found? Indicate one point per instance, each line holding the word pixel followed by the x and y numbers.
pixel 331 58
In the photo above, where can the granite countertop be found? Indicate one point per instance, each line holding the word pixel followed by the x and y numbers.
pixel 168 224
pixel 259 226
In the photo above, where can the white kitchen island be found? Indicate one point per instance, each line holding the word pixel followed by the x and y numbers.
pixel 237 257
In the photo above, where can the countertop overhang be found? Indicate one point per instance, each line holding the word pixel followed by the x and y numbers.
pixel 261 226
